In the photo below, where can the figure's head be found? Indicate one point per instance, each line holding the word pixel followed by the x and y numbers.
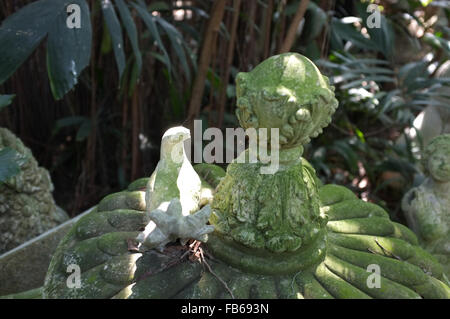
pixel 287 92
pixel 436 159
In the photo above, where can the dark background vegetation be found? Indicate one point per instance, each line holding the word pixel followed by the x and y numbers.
pixel 106 131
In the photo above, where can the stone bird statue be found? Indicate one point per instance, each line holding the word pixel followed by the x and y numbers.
pixel 173 178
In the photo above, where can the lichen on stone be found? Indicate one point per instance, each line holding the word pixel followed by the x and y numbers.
pixel 427 207
pixel 287 92
pixel 280 235
pixel 173 193
pixel 276 211
pixel 27 208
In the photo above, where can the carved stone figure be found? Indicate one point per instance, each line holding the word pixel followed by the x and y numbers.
pixel 279 212
pixel 27 208
pixel 427 207
pixel 277 235
pixel 173 192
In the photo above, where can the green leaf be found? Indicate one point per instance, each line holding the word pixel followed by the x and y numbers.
pixel 68 50
pixel 84 130
pixel 357 83
pixel 68 121
pixel 411 71
pixel 375 70
pixel 10 163
pixel 149 21
pixel 437 42
pixel 106 43
pixel 424 83
pixel 176 41
pixel 389 99
pixel 84 123
pixel 344 149
pixel 366 61
pixel 360 135
pixel 315 20
pixel 133 78
pixel 6 100
pixel 21 33
pixel 158 57
pixel 349 33
pixel 130 27
pixel 429 102
pixel 115 31
pixel 383 37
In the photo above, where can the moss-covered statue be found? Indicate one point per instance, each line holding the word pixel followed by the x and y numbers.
pixel 276 235
pixel 427 207
pixel 27 208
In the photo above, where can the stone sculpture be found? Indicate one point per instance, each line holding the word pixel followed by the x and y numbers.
pixel 427 207
pixel 27 208
pixel 279 235
pixel 173 193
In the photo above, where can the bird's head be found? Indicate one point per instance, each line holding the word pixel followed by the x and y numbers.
pixel 175 135
pixel 172 143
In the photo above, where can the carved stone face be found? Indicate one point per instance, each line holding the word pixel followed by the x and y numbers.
pixel 439 165
pixel 287 92
pixel 437 158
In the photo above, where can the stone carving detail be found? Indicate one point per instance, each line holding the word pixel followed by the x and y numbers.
pixel 280 235
pixel 277 211
pixel 427 207
pixel 27 208
pixel 173 193
pixel 171 224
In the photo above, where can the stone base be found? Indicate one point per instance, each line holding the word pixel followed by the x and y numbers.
pixel 24 267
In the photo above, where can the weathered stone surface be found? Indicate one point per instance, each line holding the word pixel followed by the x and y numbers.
pixel 287 92
pixel 27 208
pixel 280 235
pixel 280 211
pixel 427 207
pixel 174 176
pixel 25 266
pixel 174 193
pixel 358 234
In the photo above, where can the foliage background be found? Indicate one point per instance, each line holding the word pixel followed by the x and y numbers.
pixel 178 62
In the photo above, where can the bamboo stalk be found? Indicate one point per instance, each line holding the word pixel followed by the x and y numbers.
pixel 267 29
pixel 280 25
pixel 212 27
pixel 290 36
pixel 230 55
pixel 250 33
